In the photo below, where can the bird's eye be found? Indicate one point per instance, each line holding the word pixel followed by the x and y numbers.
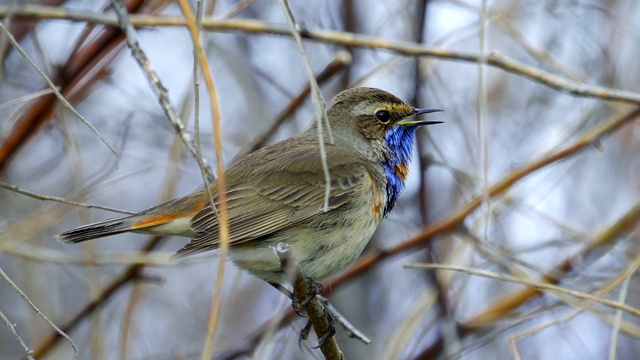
pixel 383 116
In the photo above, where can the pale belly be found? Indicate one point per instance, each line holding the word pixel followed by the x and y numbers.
pixel 323 248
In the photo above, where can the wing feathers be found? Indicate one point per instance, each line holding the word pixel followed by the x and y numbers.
pixel 277 193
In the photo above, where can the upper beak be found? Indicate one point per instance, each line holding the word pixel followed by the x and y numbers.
pixel 416 122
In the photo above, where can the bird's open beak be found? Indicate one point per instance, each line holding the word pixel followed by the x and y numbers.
pixel 415 122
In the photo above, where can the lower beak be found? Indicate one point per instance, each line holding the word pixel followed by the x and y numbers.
pixel 411 122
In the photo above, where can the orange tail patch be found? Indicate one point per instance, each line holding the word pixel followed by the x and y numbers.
pixel 154 221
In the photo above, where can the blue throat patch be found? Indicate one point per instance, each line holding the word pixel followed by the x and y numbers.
pixel 399 142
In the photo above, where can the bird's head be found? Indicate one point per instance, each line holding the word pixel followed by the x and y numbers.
pixel 377 116
pixel 381 127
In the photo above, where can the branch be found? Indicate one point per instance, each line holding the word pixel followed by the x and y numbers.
pixel 54 88
pixel 58 332
pixel 60 200
pixel 494 59
pixel 536 285
pixel 154 80
pixel 457 218
pixel 343 59
pixel 131 273
pixel 14 332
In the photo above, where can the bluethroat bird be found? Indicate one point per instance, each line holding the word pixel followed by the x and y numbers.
pixel 277 194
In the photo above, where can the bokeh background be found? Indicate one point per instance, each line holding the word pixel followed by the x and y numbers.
pixel 534 177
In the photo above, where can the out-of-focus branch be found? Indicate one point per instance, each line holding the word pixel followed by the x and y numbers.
pixel 342 59
pixel 84 66
pixel 318 101
pixel 130 274
pixel 457 218
pixel 59 333
pixel 505 305
pixel 452 222
pixel 156 84
pixel 515 300
pixel 55 91
pixel 537 286
pixel 20 28
pixel 202 63
pixel 58 199
pixel 347 39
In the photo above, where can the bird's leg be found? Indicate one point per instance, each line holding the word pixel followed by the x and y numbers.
pixel 305 291
pixel 300 304
pixel 330 331
pixel 304 334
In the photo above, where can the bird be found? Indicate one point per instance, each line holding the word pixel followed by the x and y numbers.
pixel 280 194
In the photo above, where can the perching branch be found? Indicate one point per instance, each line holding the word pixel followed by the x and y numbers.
pixel 318 315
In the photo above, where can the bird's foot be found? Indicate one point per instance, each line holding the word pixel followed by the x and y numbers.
pixel 304 334
pixel 306 330
pixel 331 330
pixel 299 304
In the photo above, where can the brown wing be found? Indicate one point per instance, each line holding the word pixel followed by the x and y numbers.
pixel 274 190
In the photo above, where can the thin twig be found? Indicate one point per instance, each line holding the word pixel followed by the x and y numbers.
pixel 33 306
pixel 318 100
pixel 494 59
pixel 342 59
pixel 60 200
pixel 193 25
pixel 25 98
pixel 352 331
pixel 129 274
pixel 157 259
pixel 622 298
pixel 154 80
pixel 537 285
pixel 54 89
pixel 15 334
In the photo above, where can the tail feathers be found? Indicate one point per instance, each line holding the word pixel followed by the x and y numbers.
pixel 95 230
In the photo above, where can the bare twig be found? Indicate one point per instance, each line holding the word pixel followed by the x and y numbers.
pixel 193 25
pixel 622 298
pixel 347 39
pixel 55 90
pixel 128 275
pixel 25 98
pixel 15 334
pixel 59 332
pixel 156 84
pixel 532 284
pixel 318 100
pixel 350 329
pixel 61 200
pixel 342 59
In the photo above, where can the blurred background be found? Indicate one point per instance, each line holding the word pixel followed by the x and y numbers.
pixel 533 178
